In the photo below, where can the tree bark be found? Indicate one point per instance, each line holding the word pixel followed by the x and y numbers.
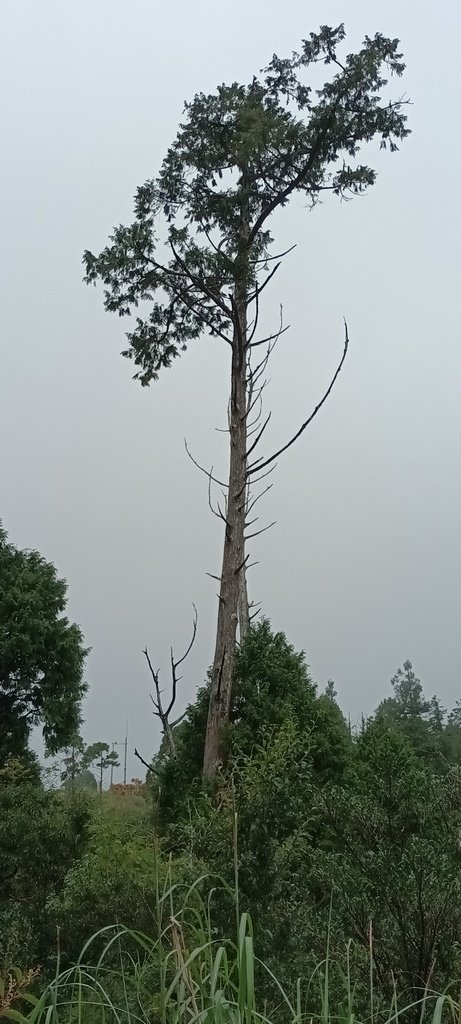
pixel 233 602
pixel 233 595
pixel 243 605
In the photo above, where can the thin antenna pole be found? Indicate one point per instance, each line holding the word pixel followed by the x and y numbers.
pixel 112 767
pixel 126 751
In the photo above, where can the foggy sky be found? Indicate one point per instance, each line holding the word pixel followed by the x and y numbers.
pixel 363 567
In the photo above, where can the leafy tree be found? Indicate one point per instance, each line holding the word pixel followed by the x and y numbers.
pixel 84 780
pixel 408 710
pixel 103 758
pixel 271 687
pixel 390 848
pixel 117 880
pixel 73 761
pixel 41 654
pixel 79 757
pixel 199 252
pixel 43 833
pixel 330 691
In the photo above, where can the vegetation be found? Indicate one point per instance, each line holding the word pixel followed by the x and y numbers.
pixel 41 654
pixel 276 864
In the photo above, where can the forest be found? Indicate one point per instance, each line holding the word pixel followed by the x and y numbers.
pixel 275 861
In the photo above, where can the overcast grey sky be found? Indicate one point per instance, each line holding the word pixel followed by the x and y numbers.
pixel 363 567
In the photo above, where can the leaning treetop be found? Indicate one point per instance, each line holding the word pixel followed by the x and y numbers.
pixel 242 149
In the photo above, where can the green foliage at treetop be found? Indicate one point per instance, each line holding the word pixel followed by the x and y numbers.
pixel 239 155
pixel 271 686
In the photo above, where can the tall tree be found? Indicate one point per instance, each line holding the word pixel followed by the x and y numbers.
pixel 102 757
pixel 200 253
pixel 41 654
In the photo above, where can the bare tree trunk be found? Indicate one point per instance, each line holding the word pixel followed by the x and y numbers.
pixel 233 602
pixel 233 595
pixel 243 605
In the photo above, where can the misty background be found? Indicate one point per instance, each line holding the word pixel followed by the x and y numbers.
pixel 362 569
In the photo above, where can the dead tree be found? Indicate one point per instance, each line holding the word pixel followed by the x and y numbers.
pixel 199 254
pixel 163 712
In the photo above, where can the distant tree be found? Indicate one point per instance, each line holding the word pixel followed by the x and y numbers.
pixel 102 757
pixel 407 709
pixel 73 761
pixel 451 736
pixel 84 780
pixel 239 157
pixel 41 654
pixel 330 691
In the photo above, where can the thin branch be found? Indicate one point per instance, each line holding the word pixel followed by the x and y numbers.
pixel 258 466
pixel 258 436
pixel 155 677
pixel 258 496
pixel 175 664
pixel 141 759
pixel 266 282
pixel 178 720
pixel 219 514
pixel 257 479
pixel 241 566
pixel 270 337
pixel 202 468
pixel 164 713
pixel 263 530
pixel 279 256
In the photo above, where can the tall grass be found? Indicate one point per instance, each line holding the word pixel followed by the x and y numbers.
pixel 187 974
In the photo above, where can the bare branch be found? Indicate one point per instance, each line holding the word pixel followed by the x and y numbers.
pixel 259 436
pixel 155 677
pixel 269 277
pixel 202 468
pixel 279 256
pixel 258 496
pixel 270 337
pixel 257 479
pixel 258 466
pixel 241 566
pixel 141 759
pixel 175 664
pixel 194 634
pixel 219 514
pixel 178 720
pixel 164 713
pixel 263 530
